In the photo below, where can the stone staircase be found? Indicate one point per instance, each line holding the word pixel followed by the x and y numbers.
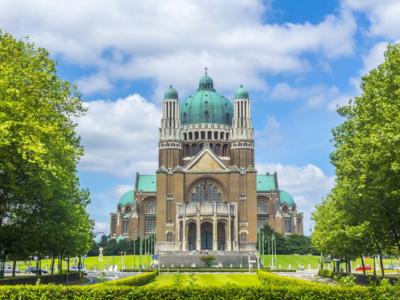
pixel 186 259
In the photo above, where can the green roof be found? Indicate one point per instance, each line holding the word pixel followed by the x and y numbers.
pixel 206 105
pixel 241 93
pixel 286 198
pixel 127 199
pixel 147 183
pixel 266 183
pixel 171 93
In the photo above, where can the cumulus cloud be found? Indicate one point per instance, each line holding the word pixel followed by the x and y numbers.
pixel 94 83
pixel 120 137
pixel 307 184
pixel 150 39
pixel 101 227
pixel 383 16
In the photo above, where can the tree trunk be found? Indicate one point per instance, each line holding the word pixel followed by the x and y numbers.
pixel 363 264
pixel 37 266
pixel 374 266
pixel 60 264
pixel 14 266
pixel 348 262
pixel 381 263
pixel 52 265
pixel 67 264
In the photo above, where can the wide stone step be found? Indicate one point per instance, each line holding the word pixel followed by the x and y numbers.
pixel 234 260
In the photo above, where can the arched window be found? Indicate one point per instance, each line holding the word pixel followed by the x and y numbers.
pixel 185 136
pixel 285 209
pixel 170 237
pixel 206 192
pixel 151 207
pixel 261 207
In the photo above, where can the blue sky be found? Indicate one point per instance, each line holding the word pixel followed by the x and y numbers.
pixel 298 59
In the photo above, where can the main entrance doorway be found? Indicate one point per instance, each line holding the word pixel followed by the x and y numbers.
pixel 206 236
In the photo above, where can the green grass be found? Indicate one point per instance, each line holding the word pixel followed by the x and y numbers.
pixel 293 260
pixel 91 262
pixel 177 279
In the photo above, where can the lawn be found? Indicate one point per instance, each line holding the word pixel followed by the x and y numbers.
pixel 177 279
pixel 92 262
pixel 293 261
pixel 284 261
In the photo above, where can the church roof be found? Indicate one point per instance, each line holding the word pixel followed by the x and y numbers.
pixel 266 183
pixel 241 93
pixel 206 105
pixel 127 198
pixel 286 198
pixel 146 183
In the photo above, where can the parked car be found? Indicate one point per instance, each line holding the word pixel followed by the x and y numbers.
pixel 10 270
pixel 33 270
pixel 83 270
pixel 367 268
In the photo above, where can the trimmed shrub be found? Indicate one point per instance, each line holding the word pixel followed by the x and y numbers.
pixel 135 280
pixel 315 292
pixel 326 273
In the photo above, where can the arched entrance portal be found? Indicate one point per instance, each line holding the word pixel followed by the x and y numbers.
pixel 206 236
pixel 192 236
pixel 221 235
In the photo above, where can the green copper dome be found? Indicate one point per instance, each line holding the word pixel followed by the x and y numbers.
pixel 127 199
pixel 241 93
pixel 286 198
pixel 206 105
pixel 171 93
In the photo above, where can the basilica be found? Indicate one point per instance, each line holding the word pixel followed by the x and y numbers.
pixel 206 193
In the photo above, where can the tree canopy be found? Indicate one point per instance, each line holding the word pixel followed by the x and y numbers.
pixel 42 207
pixel 362 213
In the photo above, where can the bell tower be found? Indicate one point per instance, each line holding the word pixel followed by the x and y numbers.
pixel 170 146
pixel 242 136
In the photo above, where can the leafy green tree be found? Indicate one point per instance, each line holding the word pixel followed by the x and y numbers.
pixel 364 208
pixel 39 151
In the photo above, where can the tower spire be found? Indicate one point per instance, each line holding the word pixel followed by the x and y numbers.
pixel 205 70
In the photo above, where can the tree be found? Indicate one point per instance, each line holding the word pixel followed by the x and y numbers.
pixel 367 162
pixel 39 151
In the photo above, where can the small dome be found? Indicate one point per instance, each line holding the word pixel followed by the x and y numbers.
pixel 241 93
pixel 286 198
pixel 127 199
pixel 171 93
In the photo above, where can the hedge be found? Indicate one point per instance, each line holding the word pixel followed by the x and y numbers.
pixel 73 277
pixel 315 292
pixel 135 280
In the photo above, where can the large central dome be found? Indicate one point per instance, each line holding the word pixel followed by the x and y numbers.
pixel 206 105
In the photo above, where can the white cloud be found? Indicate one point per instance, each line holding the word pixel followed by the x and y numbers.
pixel 94 83
pixel 168 40
pixel 283 91
pixel 122 189
pixel 374 57
pixel 383 16
pixel 120 137
pixel 307 184
pixel 101 227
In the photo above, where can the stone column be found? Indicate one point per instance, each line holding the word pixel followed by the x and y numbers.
pixel 198 233
pixel 215 245
pixel 228 231
pixel 236 229
pixel 184 228
pixel 177 226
